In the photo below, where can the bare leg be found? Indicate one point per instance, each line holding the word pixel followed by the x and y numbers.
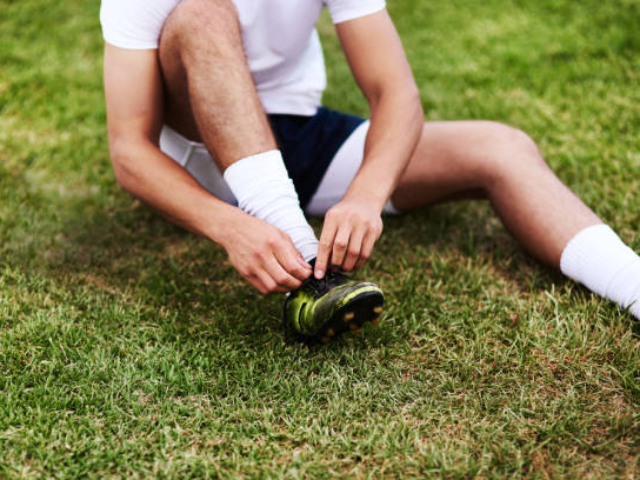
pixel 210 94
pixel 490 160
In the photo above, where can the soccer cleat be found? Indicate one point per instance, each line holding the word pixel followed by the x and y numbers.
pixel 321 310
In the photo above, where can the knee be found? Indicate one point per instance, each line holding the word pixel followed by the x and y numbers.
pixel 508 150
pixel 202 21
pixel 508 140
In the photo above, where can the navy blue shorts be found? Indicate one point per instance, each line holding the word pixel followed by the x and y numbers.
pixel 308 145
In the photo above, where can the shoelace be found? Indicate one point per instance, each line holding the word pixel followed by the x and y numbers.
pixel 324 284
pixel 320 286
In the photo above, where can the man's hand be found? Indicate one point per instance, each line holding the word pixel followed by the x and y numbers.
pixel 264 255
pixel 351 228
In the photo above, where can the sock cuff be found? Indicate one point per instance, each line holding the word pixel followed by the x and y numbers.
pixel 595 250
pixel 256 169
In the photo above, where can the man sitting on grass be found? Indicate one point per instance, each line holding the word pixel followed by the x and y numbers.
pixel 215 105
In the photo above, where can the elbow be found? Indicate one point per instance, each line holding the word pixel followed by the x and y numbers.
pixel 121 161
pixel 405 97
pixel 119 170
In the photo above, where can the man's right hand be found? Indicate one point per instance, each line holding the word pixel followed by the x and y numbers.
pixel 264 255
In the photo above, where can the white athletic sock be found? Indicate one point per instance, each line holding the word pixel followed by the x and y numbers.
pixel 263 188
pixel 597 258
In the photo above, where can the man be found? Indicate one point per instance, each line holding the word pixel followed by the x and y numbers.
pixel 214 103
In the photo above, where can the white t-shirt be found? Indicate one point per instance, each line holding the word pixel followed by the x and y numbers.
pixel 280 41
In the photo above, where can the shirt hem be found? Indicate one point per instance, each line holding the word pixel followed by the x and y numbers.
pixel 131 46
pixel 356 13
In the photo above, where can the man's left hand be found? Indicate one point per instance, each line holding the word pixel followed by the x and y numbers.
pixel 351 228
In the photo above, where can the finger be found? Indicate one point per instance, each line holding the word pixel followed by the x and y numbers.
pixel 292 262
pixel 367 249
pixel 255 281
pixel 301 259
pixel 280 275
pixel 340 245
pixel 324 248
pixel 353 249
pixel 269 282
pixel 298 256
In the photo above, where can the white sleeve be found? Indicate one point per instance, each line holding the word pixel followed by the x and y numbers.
pixel 345 10
pixel 134 24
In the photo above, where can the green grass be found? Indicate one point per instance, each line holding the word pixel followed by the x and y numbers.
pixel 129 348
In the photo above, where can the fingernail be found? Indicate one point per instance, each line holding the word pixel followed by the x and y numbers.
pixel 319 274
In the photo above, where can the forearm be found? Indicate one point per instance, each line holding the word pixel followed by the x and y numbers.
pixel 376 57
pixel 148 174
pixel 396 126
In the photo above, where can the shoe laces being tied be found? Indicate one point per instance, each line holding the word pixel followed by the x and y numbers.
pixel 331 279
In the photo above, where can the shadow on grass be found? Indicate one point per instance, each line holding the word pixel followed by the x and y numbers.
pixel 456 255
pixel 437 267
pixel 132 253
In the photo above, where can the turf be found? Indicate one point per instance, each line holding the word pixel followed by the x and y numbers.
pixel 129 348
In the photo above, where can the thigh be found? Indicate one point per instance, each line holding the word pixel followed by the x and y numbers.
pixel 451 162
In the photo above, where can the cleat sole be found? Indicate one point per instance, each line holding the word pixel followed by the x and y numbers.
pixel 365 308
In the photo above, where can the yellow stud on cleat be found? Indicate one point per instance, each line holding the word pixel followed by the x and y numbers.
pixel 325 339
pixel 358 331
pixel 331 333
pixel 377 310
pixel 375 321
pixel 348 317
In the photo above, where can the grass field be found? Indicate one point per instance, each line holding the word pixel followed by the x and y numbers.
pixel 129 348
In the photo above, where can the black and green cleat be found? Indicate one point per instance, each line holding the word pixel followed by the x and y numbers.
pixel 321 310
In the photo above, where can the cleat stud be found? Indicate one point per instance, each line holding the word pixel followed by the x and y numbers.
pixel 348 317
pixel 330 332
pixel 357 332
pixel 377 310
pixel 325 339
pixel 353 327
pixel 375 321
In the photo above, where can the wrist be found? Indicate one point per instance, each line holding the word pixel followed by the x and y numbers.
pixel 372 185
pixel 221 224
pixel 375 197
